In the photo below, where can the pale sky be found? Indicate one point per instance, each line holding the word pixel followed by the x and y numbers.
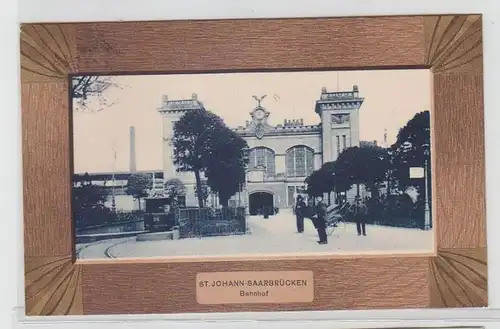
pixel 392 97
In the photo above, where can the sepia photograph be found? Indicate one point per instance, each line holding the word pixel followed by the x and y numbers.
pixel 252 164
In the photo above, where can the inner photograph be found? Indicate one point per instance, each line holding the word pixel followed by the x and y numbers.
pixel 252 164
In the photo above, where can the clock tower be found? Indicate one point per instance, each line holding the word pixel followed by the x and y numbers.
pixel 259 116
pixel 339 113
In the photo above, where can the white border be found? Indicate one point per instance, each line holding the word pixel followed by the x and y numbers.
pixel 131 10
pixel 109 10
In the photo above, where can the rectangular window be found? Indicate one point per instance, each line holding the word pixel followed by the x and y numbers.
pixel 344 143
pixel 309 162
pixel 290 163
pixel 260 158
pixel 270 164
pixel 251 159
pixel 338 145
pixel 300 162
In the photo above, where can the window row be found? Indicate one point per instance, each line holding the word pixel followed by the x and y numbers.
pixel 299 161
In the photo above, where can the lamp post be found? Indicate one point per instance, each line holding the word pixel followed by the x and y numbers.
pixel 247 190
pixel 427 210
pixel 389 173
pixel 239 194
pixel 113 197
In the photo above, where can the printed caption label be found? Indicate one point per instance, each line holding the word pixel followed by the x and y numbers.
pixel 275 287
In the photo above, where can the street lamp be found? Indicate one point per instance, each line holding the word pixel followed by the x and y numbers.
pixel 113 197
pixel 389 172
pixel 427 210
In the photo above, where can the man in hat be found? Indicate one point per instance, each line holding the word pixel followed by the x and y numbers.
pixel 320 220
pixel 359 213
pixel 300 208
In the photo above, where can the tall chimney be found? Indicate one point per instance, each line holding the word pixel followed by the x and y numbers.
pixel 132 150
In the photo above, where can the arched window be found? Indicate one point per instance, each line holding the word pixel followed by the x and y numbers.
pixel 299 161
pixel 262 157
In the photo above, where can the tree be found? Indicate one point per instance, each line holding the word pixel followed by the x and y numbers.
pixel 321 181
pixel 366 165
pixel 203 143
pixel 190 142
pixel 376 167
pixel 89 203
pixel 85 89
pixel 412 149
pixel 174 188
pixel 138 186
pixel 226 164
pixel 204 191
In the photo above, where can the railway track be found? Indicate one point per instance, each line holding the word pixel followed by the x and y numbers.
pixel 107 252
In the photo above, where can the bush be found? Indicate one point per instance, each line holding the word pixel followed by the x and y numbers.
pixel 128 216
pixel 92 217
pixel 399 205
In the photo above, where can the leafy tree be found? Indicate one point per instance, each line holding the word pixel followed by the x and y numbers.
pixel 86 89
pixel 174 188
pixel 138 186
pixel 203 143
pixel 204 191
pixel 366 165
pixel 190 142
pixel 226 164
pixel 321 181
pixel 89 203
pixel 412 149
pixel 376 168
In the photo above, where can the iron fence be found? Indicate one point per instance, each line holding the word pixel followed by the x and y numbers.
pixel 204 222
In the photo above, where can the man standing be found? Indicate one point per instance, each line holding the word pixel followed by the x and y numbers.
pixel 321 220
pixel 359 212
pixel 300 208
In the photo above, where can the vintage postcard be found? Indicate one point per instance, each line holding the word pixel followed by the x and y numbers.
pixel 235 164
pixel 323 166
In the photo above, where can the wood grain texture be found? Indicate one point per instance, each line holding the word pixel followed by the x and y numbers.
pixel 46 170
pixel 459 278
pixel 458 275
pixel 450 45
pixel 48 52
pixel 253 44
pixel 454 43
pixel 339 284
pixel 459 156
pixel 53 286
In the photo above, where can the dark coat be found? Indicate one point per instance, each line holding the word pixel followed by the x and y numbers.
pixel 360 212
pixel 300 209
pixel 320 218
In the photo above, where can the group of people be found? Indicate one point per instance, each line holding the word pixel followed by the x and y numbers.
pixel 318 214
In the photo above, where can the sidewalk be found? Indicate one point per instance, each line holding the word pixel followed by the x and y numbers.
pixel 277 235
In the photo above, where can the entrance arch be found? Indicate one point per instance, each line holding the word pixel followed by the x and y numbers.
pixel 259 200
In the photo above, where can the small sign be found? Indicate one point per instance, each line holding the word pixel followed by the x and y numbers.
pixel 417 172
pixel 275 287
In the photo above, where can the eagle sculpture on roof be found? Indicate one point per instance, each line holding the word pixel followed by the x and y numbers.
pixel 259 99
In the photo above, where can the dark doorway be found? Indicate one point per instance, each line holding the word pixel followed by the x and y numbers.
pixel 259 201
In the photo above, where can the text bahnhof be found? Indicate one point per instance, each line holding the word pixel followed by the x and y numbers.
pixel 254 283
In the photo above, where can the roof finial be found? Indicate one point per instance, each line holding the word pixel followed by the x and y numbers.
pixel 259 99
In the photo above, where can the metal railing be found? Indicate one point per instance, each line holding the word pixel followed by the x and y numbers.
pixel 204 222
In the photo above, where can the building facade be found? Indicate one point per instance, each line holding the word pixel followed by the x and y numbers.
pixel 281 156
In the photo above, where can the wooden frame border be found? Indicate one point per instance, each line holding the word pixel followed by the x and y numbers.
pixel 450 45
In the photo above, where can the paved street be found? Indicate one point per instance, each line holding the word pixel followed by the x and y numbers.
pixel 275 235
